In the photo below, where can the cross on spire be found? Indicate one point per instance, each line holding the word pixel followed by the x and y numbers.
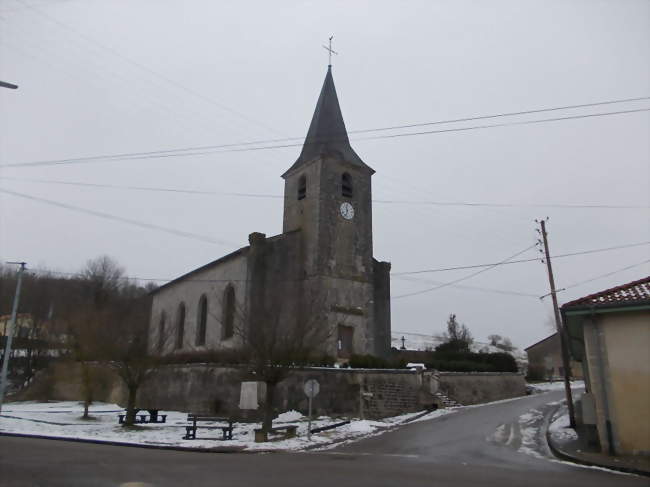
pixel 330 50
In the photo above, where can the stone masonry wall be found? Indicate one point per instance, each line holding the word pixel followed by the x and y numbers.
pixel 479 387
pixel 215 389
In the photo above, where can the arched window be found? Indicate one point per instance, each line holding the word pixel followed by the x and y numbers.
pixel 302 187
pixel 228 322
pixel 346 185
pixel 180 325
pixel 202 319
pixel 161 332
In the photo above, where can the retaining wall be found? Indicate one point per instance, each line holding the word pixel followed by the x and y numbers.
pixel 480 387
pixel 215 389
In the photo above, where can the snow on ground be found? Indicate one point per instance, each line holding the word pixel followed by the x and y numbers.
pixel 529 428
pixel 555 385
pixel 62 419
pixel 560 430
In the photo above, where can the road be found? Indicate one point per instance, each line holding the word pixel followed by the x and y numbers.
pixel 473 447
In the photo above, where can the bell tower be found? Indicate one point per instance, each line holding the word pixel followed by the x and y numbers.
pixel 328 199
pixel 328 196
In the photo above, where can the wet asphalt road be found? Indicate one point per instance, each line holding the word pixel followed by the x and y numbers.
pixel 481 446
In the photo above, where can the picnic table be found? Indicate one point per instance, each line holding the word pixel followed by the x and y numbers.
pixel 153 416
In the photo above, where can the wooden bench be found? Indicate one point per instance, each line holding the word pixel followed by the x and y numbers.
pixel 226 430
pixel 262 436
pixel 153 417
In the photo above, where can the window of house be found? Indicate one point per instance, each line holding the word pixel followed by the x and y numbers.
pixel 161 332
pixel 228 322
pixel 202 319
pixel 180 325
pixel 346 185
pixel 302 187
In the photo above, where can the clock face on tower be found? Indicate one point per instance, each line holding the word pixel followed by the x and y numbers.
pixel 347 211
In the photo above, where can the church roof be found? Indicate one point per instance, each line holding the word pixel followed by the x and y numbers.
pixel 327 135
pixel 237 253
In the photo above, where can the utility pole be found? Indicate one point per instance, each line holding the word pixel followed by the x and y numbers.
pixel 10 334
pixel 561 331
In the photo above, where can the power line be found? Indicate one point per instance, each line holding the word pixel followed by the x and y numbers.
pixel 508 124
pixel 471 288
pixel 204 238
pixel 241 147
pixel 507 114
pixel 519 261
pixel 108 216
pixel 146 68
pixel 277 196
pixel 146 188
pixel 288 139
pixel 580 283
pixel 446 284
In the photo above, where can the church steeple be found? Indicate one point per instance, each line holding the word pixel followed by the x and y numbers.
pixel 327 136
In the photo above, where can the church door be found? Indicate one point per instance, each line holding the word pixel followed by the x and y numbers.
pixel 344 341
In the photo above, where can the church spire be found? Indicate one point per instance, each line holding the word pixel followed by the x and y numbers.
pixel 327 136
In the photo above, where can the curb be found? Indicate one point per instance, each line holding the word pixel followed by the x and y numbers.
pixel 232 449
pixel 574 459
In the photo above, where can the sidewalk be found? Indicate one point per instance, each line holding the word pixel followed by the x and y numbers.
pixel 565 444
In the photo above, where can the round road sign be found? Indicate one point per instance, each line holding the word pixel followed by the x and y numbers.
pixel 312 388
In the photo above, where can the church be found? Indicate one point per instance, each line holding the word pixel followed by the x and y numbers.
pixel 321 264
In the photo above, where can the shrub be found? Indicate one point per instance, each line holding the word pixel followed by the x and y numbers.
pixel 368 362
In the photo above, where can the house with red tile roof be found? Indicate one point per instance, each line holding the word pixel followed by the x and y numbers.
pixel 609 332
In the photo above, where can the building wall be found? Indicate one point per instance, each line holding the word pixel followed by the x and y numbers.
pixel 212 282
pixel 304 214
pixel 546 357
pixel 381 327
pixel 627 341
pixel 617 354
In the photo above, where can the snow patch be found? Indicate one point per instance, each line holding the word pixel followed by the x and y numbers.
pixel 561 430
pixel 62 419
pixel 555 386
pixel 289 416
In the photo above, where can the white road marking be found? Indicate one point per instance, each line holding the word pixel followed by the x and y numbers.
pixel 366 454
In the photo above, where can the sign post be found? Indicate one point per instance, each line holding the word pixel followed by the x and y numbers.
pixel 312 388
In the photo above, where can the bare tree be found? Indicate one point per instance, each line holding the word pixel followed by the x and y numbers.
pixel 110 325
pixel 457 338
pixel 506 345
pixel 501 342
pixel 84 343
pixel 124 348
pixel 274 343
pixel 494 339
pixel 103 278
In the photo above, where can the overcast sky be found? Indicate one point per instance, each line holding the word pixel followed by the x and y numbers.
pixel 100 77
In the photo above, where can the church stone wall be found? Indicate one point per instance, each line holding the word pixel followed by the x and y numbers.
pixel 212 282
pixel 303 214
pixel 381 325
